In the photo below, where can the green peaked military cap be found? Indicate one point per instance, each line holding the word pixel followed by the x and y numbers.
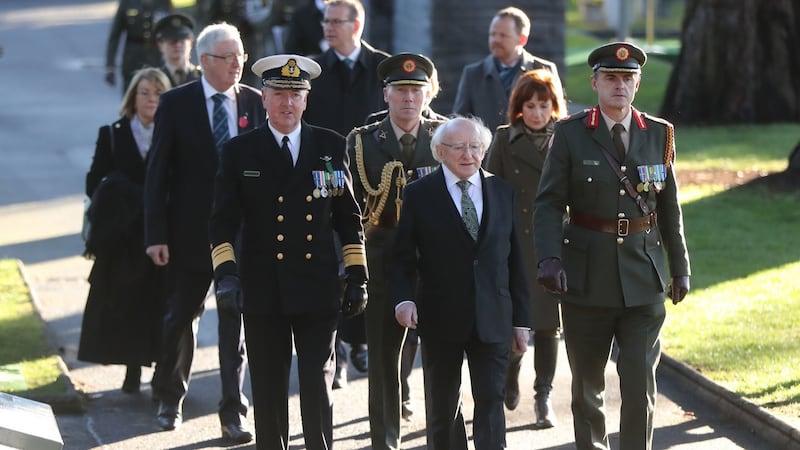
pixel 617 57
pixel 174 27
pixel 406 68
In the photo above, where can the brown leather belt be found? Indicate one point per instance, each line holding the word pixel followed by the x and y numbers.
pixel 620 227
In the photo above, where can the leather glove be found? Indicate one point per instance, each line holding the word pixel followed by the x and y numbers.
pixel 229 294
pixel 354 300
pixel 678 288
pixel 552 276
pixel 111 78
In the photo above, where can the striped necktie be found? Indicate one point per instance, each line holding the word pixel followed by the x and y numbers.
pixel 220 121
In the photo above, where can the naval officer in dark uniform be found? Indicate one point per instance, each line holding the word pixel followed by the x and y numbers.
pixel 175 36
pixel 287 185
pixel 623 250
pixel 137 19
pixel 385 156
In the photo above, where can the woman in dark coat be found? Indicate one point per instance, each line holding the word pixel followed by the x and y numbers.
pixel 517 155
pixel 123 314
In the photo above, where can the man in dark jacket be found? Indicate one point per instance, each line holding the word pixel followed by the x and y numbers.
pixel 287 187
pixel 485 85
pixel 191 122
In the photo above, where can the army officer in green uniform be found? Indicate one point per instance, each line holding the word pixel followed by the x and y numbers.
pixel 384 157
pixel 623 250
pixel 137 19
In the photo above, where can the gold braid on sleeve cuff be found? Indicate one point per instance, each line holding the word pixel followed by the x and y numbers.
pixel 222 253
pixel 354 255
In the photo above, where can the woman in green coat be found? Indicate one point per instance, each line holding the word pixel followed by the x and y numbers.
pixel 517 154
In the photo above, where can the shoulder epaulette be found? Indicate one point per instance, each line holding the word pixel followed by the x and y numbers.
pixel 669 147
pixel 576 116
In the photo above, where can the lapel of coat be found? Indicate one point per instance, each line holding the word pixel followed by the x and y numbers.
pixel 525 152
pixel 422 149
pixel 387 141
pixel 307 156
pixel 200 111
pixel 637 133
pixel 488 191
pixel 602 136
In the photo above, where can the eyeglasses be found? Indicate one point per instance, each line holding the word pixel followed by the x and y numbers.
pixel 475 148
pixel 230 58
pixel 335 22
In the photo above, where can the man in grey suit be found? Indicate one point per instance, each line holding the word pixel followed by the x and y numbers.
pixel 485 85
pixel 457 236
pixel 623 250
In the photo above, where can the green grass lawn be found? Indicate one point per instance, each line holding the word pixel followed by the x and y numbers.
pixel 28 367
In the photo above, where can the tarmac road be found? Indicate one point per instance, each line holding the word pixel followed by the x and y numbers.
pixel 53 101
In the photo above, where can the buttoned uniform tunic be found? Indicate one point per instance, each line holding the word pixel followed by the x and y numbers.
pixel 288 259
pixel 576 174
pixel 517 155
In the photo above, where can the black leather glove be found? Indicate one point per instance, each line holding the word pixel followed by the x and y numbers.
pixel 354 300
pixel 229 294
pixel 678 288
pixel 111 78
pixel 552 275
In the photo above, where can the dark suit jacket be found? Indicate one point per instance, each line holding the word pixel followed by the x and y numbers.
pixel 465 287
pixel 481 93
pixel 304 33
pixel 180 171
pixel 340 99
pixel 288 261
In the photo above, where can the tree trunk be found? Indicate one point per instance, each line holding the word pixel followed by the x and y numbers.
pixel 738 63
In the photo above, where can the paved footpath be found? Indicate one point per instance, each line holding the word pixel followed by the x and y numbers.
pixel 53 103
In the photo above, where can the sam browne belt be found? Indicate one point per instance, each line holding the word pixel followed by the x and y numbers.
pixel 621 227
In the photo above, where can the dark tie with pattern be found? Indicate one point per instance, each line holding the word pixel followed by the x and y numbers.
pixel 220 120
pixel 287 154
pixel 407 144
pixel 616 136
pixel 468 212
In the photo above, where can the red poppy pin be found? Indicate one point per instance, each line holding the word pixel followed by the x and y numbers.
pixel 243 121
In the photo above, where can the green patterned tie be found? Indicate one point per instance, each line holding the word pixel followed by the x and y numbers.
pixel 468 212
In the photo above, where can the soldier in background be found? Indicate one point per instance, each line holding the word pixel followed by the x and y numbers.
pixel 347 91
pixel 304 32
pixel 385 156
pixel 250 17
pixel 175 37
pixel 137 19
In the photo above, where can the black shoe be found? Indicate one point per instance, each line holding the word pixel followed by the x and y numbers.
pixel 169 416
pixel 358 357
pixel 133 375
pixel 237 432
pixel 340 377
pixel 545 418
pixel 407 410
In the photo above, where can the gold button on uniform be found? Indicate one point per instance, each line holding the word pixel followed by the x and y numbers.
pixel 622 192
pixel 620 240
pixel 566 241
pixel 279 256
pixel 280 199
pixel 309 198
pixel 280 238
pixel 309 217
pixel 621 215
pixel 309 237
pixel 525 210
pixel 280 218
pixel 308 255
